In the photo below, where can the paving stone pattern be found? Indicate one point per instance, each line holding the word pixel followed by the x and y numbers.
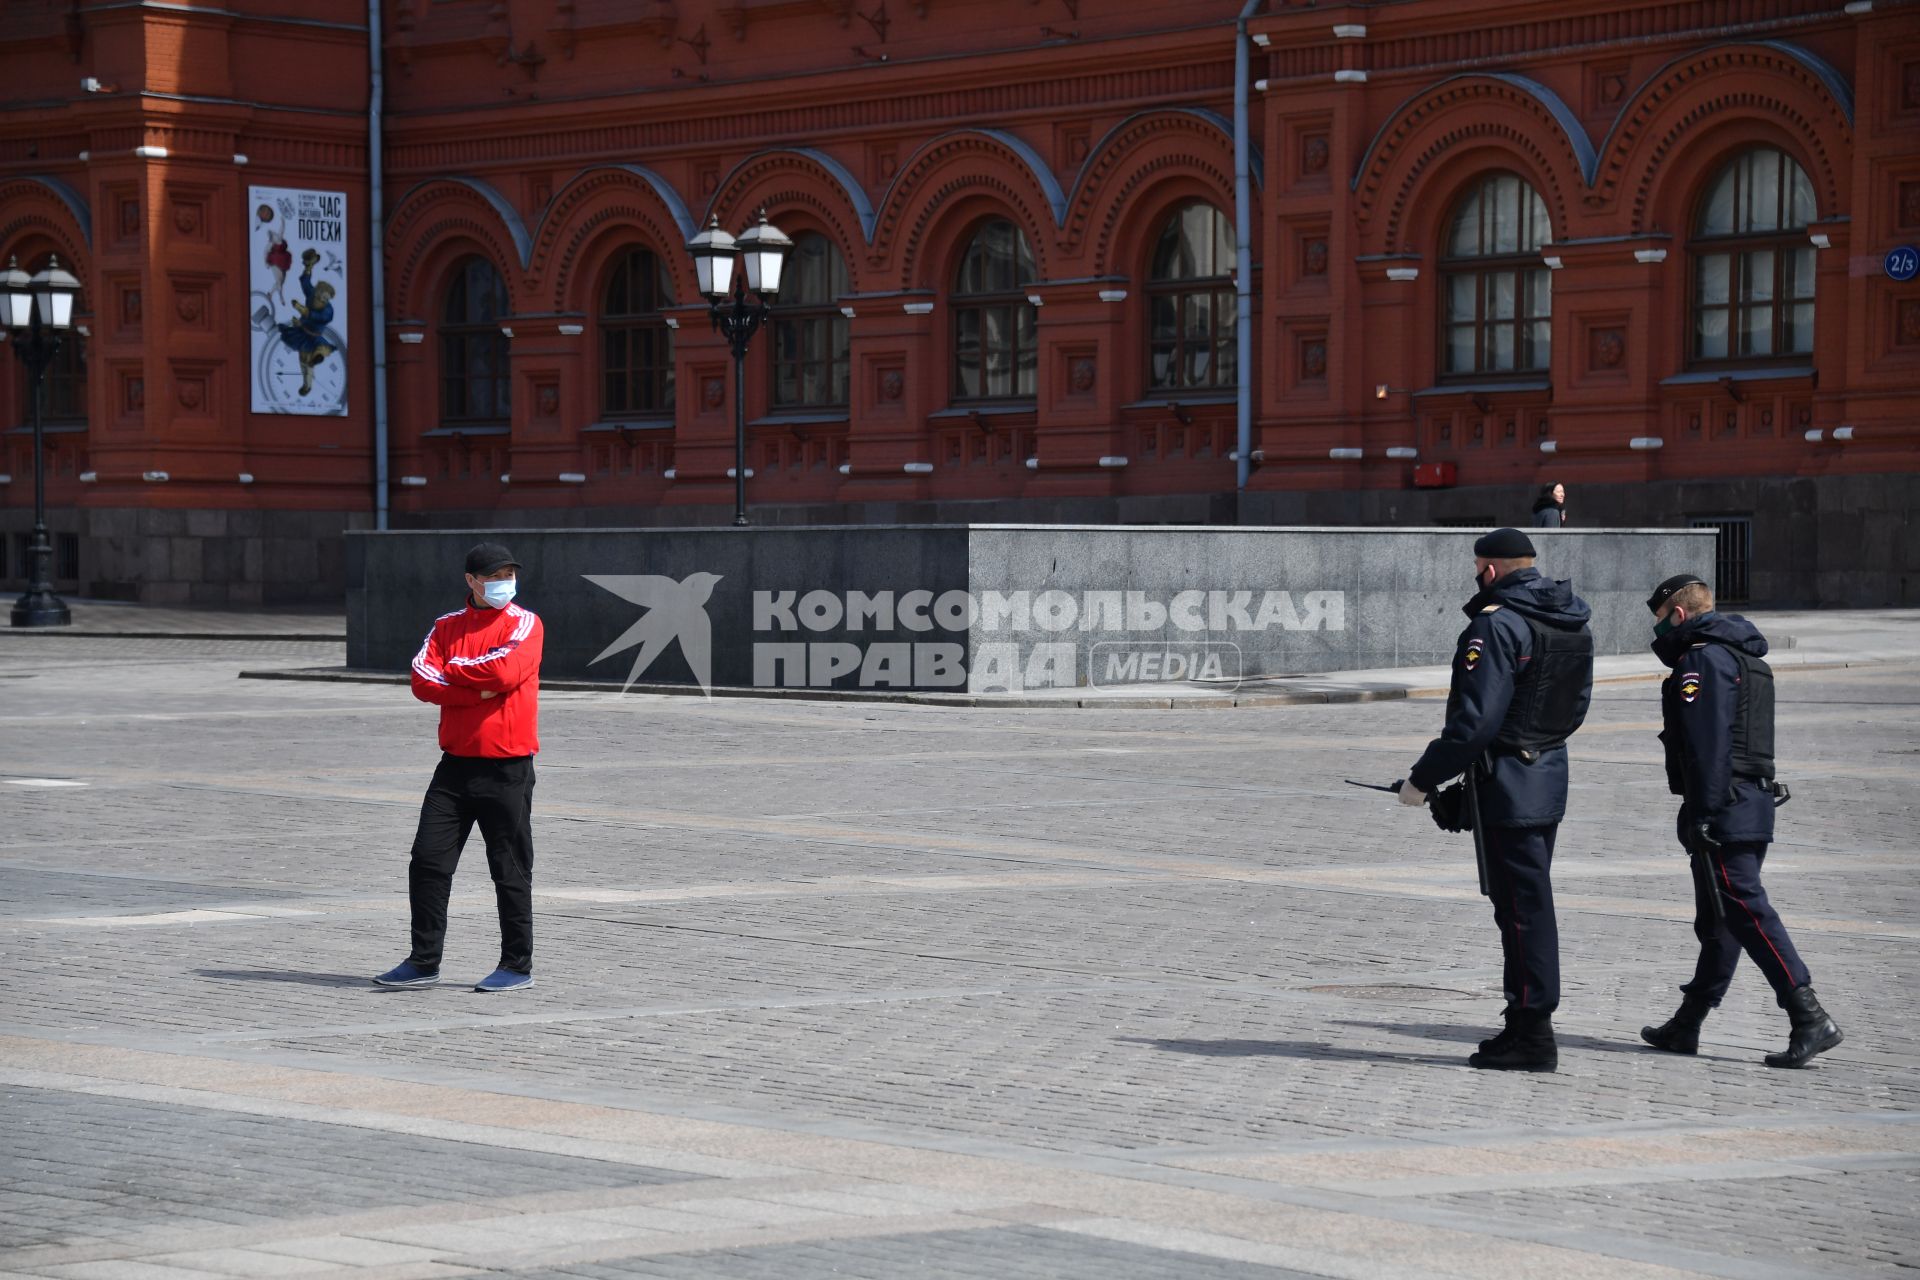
pixel 86 1166
pixel 1007 1253
pixel 883 990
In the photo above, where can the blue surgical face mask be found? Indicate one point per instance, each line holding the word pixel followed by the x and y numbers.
pixel 501 591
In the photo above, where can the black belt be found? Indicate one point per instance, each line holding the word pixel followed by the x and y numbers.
pixel 1777 790
pixel 1526 755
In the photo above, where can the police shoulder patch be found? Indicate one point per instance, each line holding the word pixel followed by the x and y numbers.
pixel 1689 686
pixel 1475 648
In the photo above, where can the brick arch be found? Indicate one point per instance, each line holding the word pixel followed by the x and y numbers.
pixel 1447 182
pixel 947 171
pixel 596 236
pixel 49 210
pixel 604 243
pixel 780 190
pixel 797 219
pixel 1141 222
pixel 796 178
pixel 1505 113
pixel 1779 86
pixel 603 202
pixel 1188 149
pixel 440 212
pixel 448 251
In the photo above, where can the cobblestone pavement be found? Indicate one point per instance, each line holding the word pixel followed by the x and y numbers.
pixel 897 991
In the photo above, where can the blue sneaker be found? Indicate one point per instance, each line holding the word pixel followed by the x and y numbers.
pixel 504 980
pixel 407 974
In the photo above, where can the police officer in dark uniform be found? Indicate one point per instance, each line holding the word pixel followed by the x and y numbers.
pixel 1522 679
pixel 1717 708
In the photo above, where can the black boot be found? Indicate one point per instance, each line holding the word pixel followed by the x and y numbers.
pixel 1681 1032
pixel 1499 1039
pixel 1526 1045
pixel 1813 1030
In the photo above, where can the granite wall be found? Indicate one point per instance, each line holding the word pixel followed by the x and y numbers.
pixel 986 607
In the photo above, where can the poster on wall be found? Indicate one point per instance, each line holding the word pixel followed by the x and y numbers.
pixel 297 300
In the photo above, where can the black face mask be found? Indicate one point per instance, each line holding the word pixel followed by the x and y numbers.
pixel 1481 581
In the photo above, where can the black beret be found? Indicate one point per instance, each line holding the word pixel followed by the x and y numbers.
pixel 1505 544
pixel 1664 592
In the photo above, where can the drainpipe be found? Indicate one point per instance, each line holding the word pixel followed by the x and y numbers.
pixel 377 239
pixel 1243 246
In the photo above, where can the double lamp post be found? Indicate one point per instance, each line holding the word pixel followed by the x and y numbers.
pixel 761 253
pixel 38 311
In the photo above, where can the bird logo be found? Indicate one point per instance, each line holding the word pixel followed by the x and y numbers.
pixel 675 610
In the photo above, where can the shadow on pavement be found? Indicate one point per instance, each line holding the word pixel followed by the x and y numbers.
pixel 1474 1035
pixel 1309 1049
pixel 289 975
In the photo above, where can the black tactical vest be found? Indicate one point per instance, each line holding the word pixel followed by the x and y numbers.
pixel 1753 723
pixel 1550 698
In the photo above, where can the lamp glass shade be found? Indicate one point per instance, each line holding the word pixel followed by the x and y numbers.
pixel 54 290
pixel 765 248
pixel 716 281
pixel 714 252
pixel 16 297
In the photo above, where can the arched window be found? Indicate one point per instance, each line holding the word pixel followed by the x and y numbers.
pixel 1752 263
pixel 994 350
pixel 1496 292
pixel 475 379
pixel 1190 302
pixel 809 333
pixel 636 346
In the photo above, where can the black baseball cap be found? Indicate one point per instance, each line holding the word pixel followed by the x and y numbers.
pixel 1504 544
pixel 1664 592
pixel 489 556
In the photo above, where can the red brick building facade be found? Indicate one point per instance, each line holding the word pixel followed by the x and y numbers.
pixel 1633 248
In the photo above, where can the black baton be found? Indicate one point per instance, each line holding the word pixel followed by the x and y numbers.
pixel 1703 881
pixel 1479 829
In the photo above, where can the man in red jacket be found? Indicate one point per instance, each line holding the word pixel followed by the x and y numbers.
pixel 481 666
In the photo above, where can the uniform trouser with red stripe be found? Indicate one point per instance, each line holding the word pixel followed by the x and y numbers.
pixel 497 796
pixel 1752 925
pixel 1520 878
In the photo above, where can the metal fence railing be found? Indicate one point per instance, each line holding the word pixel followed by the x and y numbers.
pixel 1732 555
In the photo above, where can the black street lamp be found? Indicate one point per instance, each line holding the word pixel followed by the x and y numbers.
pixel 39 312
pixel 762 249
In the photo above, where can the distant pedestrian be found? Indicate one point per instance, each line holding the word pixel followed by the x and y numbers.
pixel 1550 508
pixel 480 665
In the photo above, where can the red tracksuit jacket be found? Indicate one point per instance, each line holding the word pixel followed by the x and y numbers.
pixel 473 650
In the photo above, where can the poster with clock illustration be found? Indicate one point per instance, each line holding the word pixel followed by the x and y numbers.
pixel 297 302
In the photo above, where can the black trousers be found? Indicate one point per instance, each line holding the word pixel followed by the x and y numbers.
pixel 1752 925
pixel 1520 876
pixel 498 795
